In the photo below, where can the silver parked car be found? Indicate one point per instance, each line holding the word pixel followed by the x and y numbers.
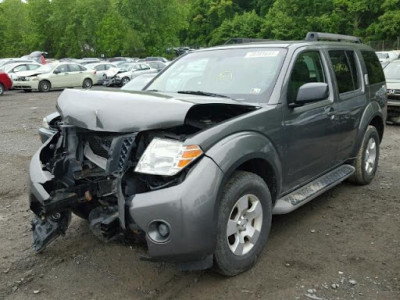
pixel 101 70
pixel 125 72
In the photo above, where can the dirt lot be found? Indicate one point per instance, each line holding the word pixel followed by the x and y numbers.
pixel 349 233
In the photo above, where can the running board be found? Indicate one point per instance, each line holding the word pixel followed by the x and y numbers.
pixel 301 196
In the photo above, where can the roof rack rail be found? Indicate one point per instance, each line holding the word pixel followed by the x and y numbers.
pixel 316 36
pixel 233 41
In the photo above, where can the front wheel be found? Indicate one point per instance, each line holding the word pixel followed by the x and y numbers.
pixel 367 158
pixel 244 222
pixel 87 83
pixel 125 80
pixel 1 89
pixel 44 86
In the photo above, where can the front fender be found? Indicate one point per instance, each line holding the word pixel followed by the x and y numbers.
pixel 236 149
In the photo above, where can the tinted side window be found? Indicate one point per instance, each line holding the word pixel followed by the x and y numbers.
pixel 307 68
pixel 374 68
pixel 345 68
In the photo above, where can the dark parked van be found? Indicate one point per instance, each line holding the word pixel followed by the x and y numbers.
pixel 217 143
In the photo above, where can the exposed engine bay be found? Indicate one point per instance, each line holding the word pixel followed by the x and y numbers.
pixel 93 173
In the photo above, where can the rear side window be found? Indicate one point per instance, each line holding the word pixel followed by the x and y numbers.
pixel 345 68
pixel 374 68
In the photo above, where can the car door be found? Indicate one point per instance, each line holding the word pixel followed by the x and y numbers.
pixel 75 75
pixel 352 98
pixel 60 76
pixel 100 71
pixel 309 128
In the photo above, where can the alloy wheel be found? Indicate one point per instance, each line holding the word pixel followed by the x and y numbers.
pixel 244 224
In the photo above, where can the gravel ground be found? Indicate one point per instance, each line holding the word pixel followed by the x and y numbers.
pixel 343 245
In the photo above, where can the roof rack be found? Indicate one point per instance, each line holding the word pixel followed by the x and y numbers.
pixel 233 41
pixel 316 36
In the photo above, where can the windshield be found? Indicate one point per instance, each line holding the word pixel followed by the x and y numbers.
pixel 138 83
pixel 392 70
pixel 125 66
pixel 7 68
pixel 241 74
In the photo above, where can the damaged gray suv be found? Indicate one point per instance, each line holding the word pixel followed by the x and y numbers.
pixel 217 143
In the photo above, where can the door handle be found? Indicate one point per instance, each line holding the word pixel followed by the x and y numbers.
pixel 329 110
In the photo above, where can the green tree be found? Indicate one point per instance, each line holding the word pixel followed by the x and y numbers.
pixel 14 28
pixel 246 25
pixel 387 26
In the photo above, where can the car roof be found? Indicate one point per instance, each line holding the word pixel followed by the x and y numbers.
pixel 286 44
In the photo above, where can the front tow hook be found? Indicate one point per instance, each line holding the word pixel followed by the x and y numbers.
pixel 47 229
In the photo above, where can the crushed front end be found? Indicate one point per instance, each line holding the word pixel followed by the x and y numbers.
pixel 127 168
pixel 80 171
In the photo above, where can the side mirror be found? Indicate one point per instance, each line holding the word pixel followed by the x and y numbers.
pixel 311 92
pixel 56 72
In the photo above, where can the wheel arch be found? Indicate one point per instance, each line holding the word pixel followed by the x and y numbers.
pixel 251 152
pixel 375 116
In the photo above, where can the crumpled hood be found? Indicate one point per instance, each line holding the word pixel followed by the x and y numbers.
pixel 29 73
pixel 128 112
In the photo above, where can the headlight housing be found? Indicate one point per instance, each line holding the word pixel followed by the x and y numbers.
pixel 167 157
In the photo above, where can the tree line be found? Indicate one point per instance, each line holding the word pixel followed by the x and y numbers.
pixel 79 28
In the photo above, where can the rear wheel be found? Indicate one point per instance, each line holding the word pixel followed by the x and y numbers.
pixel 44 86
pixel 367 158
pixel 244 222
pixel 1 89
pixel 87 83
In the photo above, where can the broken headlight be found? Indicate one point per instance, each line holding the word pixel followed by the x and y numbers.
pixel 167 157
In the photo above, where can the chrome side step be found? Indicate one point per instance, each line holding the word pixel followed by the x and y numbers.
pixel 301 196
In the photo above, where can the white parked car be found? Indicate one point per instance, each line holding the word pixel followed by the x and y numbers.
pixel 56 76
pixel 125 72
pixel 13 69
pixel 101 69
pixel 387 56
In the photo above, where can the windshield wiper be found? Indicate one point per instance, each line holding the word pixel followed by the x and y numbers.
pixel 201 93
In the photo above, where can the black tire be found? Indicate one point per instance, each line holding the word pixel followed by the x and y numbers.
pixel 362 175
pixel 124 80
pixel 87 83
pixel 1 89
pixel 44 86
pixel 241 184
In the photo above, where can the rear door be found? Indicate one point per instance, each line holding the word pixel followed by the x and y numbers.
pixel 310 128
pixel 352 99
pixel 75 75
